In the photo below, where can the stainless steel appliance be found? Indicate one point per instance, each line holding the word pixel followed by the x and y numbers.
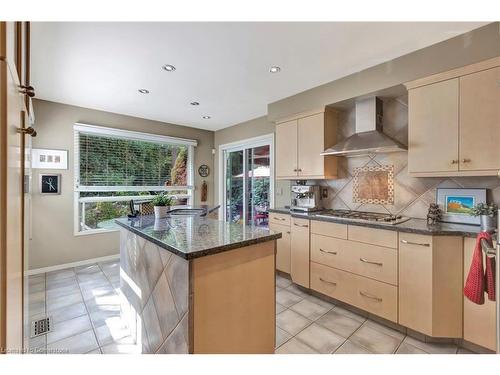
pixel 306 198
pixel 361 216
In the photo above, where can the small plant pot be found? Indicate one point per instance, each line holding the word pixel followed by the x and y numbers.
pixel 488 223
pixel 161 211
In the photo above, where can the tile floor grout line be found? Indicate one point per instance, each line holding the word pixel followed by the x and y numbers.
pixel 86 308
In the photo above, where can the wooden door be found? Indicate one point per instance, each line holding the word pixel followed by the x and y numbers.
pixel 480 120
pixel 479 320
pixel 433 127
pixel 311 143
pixel 11 194
pixel 286 149
pixel 282 247
pixel 299 263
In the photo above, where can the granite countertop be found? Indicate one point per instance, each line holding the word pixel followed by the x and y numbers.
pixel 196 236
pixel 418 226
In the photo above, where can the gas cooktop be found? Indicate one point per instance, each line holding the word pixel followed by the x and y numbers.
pixel 361 216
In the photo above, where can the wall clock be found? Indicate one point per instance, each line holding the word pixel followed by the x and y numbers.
pixel 204 170
pixel 50 184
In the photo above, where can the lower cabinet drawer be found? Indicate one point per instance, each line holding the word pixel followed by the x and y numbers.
pixel 376 262
pixel 370 295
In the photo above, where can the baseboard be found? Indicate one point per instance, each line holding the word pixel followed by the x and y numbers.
pixel 58 267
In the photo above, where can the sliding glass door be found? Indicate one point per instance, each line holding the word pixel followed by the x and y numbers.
pixel 247 183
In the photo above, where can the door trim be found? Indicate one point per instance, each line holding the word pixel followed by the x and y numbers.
pixel 267 139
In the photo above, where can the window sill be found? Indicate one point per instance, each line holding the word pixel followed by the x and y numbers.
pixel 95 231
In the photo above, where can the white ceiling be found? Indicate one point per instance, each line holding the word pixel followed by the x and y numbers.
pixel 224 66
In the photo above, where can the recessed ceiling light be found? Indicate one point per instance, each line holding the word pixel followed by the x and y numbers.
pixel 143 91
pixel 206 117
pixel 168 68
pixel 275 69
pixel 194 103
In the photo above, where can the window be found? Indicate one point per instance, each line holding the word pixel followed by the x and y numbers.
pixel 114 166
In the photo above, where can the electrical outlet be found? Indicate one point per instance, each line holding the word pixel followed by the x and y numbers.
pixel 324 193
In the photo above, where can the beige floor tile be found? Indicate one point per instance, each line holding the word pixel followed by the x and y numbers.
pixel 81 343
pixel 68 328
pixel 286 298
pixel 279 308
pixel 432 348
pixel 282 282
pixel 349 347
pixel 405 348
pixel 384 329
pixel 320 339
pixel 296 290
pixel 339 323
pixel 291 322
pixel 294 346
pixel 464 351
pixel 310 310
pixel 349 314
pixel 319 301
pixel 281 337
pixel 374 340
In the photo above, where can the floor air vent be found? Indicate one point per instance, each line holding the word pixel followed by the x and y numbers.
pixel 40 327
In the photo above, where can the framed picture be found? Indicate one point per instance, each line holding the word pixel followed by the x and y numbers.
pixel 456 204
pixel 49 159
pixel 50 184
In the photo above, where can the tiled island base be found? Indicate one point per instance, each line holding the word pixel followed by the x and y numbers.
pixel 222 303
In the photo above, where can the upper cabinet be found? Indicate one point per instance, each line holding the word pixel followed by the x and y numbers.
pixel 300 140
pixel 454 122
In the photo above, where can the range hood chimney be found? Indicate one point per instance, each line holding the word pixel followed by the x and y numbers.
pixel 369 137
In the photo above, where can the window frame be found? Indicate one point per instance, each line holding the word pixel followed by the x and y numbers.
pixel 130 135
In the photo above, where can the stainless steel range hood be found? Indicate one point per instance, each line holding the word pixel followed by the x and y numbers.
pixel 369 137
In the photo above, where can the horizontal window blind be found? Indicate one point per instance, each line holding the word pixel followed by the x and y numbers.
pixel 117 161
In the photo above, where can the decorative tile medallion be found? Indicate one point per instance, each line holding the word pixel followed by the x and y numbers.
pixel 373 185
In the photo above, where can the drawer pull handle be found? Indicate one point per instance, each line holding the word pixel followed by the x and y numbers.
pixel 328 282
pixel 415 243
pixel 279 218
pixel 288 232
pixel 301 225
pixel 328 252
pixel 378 299
pixel 369 262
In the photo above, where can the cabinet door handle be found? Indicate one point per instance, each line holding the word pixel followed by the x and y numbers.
pixel 301 225
pixel 328 252
pixel 415 243
pixel 369 262
pixel 295 170
pixel 454 161
pixel 288 232
pixel 465 160
pixel 278 218
pixel 328 282
pixel 299 170
pixel 364 294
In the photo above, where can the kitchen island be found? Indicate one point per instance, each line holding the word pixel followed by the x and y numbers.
pixel 192 284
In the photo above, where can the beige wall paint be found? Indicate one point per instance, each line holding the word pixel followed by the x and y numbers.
pixel 475 46
pixel 53 241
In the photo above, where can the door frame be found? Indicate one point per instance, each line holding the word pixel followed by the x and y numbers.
pixel 263 140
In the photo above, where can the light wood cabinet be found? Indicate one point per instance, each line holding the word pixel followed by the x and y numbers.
pixel 299 262
pixel 430 284
pixel 479 320
pixel 433 127
pixel 286 149
pixel 480 120
pixel 300 141
pixel 454 122
pixel 282 247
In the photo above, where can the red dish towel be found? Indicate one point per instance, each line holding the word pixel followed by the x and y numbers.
pixel 477 280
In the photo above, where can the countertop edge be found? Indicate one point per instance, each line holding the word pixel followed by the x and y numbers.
pixel 396 228
pixel 205 252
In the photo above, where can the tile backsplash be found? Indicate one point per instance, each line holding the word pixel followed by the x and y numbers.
pixel 412 196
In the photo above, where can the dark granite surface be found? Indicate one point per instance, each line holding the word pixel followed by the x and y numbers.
pixel 418 226
pixel 194 236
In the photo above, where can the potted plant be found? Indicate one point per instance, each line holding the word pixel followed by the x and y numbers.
pixel 487 214
pixel 161 204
